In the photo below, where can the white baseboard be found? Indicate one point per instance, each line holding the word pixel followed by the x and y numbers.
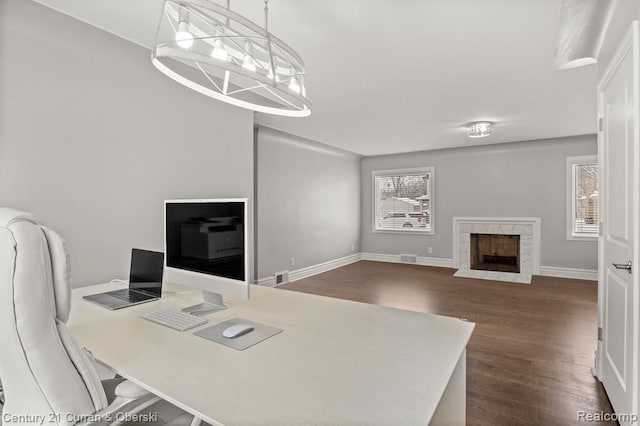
pixel 395 258
pixel 312 270
pixel 576 274
pixel 547 271
pixel 378 257
pixel 267 282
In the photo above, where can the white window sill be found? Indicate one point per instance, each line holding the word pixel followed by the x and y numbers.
pixel 583 237
pixel 404 231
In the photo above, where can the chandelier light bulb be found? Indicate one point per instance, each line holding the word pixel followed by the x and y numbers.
pixel 184 38
pixel 248 57
pixel 294 86
pixel 248 64
pixel 270 76
pixel 219 52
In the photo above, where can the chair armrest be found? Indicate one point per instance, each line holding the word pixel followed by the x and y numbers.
pixel 130 399
pixel 130 390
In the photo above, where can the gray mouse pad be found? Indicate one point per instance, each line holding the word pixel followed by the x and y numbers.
pixel 260 332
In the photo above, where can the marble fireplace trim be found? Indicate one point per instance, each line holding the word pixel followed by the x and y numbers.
pixel 527 227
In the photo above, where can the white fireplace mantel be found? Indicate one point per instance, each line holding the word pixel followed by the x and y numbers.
pixel 528 228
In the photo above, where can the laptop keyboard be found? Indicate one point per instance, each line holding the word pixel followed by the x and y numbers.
pixel 131 296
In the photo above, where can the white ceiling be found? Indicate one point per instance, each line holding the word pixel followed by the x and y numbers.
pixel 389 76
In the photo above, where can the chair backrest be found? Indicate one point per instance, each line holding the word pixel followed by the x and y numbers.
pixel 45 374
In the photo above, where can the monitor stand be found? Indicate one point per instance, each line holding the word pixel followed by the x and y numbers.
pixel 213 302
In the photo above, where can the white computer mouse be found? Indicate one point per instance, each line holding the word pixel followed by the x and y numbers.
pixel 237 330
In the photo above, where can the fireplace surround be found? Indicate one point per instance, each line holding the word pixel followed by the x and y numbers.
pixel 513 237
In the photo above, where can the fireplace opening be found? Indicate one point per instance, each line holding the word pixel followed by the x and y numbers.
pixel 495 252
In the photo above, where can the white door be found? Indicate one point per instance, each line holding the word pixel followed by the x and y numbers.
pixel 618 158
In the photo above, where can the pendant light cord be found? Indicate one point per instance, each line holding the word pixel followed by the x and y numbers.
pixel 266 16
pixel 268 38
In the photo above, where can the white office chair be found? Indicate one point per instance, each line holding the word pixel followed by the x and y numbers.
pixel 45 374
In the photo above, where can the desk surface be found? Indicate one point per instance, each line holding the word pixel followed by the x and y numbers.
pixel 336 362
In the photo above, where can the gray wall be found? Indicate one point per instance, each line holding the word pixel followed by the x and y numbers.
pixel 308 202
pixel 516 179
pixel 93 138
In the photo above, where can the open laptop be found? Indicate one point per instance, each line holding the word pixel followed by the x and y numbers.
pixel 145 282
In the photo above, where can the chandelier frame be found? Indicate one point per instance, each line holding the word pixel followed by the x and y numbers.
pixel 218 59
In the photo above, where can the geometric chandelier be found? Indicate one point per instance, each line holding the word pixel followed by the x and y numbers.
pixel 221 54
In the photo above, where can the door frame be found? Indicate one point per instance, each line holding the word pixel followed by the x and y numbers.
pixel 629 43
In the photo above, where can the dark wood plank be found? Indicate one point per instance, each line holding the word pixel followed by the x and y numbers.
pixel 530 357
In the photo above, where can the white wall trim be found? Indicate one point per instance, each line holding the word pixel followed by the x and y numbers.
pixel 395 258
pixel 267 282
pixel 312 270
pixel 545 271
pixel 574 273
pixel 309 271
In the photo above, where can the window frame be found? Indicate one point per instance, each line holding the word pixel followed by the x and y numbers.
pixel 571 205
pixel 395 172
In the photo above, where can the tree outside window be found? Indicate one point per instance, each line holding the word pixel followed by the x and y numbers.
pixel 403 200
pixel 583 196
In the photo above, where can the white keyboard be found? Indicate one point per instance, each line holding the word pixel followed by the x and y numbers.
pixel 175 319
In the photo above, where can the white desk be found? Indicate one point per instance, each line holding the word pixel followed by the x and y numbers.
pixel 336 362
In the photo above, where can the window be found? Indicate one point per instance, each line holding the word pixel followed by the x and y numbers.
pixel 403 200
pixel 582 194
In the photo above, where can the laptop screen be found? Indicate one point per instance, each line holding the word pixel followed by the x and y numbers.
pixel 146 271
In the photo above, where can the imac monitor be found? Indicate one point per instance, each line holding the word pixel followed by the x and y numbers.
pixel 206 248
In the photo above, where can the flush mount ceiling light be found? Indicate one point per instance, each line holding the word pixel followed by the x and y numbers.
pixel 210 49
pixel 479 129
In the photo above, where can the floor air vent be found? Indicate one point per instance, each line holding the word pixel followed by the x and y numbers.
pixel 408 258
pixel 282 277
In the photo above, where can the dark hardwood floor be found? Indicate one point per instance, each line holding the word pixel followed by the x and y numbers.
pixel 530 357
